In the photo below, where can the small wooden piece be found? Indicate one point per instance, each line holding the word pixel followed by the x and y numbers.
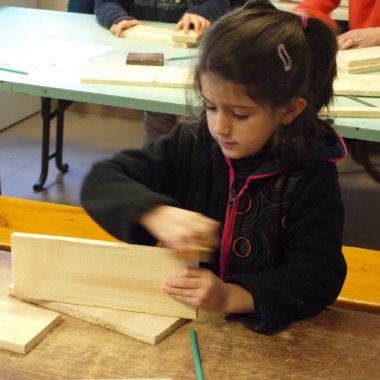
pixel 24 325
pixel 191 37
pixel 148 59
pixel 96 273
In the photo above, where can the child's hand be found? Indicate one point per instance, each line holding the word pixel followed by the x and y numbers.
pixel 199 23
pixel 118 29
pixel 359 38
pixel 198 287
pixel 181 229
pixel 201 288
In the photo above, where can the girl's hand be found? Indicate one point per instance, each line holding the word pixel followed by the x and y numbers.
pixel 201 288
pixel 359 38
pixel 118 29
pixel 181 229
pixel 198 288
pixel 199 23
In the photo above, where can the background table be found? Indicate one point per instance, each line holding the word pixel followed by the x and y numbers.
pixel 53 46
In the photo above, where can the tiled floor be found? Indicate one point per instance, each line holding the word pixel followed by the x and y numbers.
pixel 90 137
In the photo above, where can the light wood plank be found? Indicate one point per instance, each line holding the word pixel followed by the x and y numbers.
pixel 96 273
pixel 337 111
pixel 148 328
pixel 157 76
pixel 154 34
pixel 357 84
pixel 24 325
pixel 359 57
pixel 358 69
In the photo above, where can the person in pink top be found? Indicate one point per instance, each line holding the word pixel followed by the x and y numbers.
pixel 364 20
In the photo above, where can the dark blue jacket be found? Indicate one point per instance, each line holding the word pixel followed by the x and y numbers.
pixel 109 12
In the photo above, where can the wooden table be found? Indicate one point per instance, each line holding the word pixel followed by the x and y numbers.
pixel 336 344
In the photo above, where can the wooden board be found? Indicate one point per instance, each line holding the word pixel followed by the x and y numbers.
pixel 366 112
pixel 357 84
pixel 24 325
pixel 152 76
pixel 153 34
pixel 359 57
pixel 96 273
pixel 148 328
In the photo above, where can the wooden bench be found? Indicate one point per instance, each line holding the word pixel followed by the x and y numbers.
pixel 361 290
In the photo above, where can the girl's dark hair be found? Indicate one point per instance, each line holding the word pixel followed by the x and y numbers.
pixel 243 47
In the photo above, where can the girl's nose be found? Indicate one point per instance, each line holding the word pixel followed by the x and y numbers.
pixel 222 125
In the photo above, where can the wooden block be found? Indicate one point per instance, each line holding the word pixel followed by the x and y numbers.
pixel 24 325
pixel 357 84
pixel 153 34
pixel 150 76
pixel 148 328
pixel 358 69
pixel 359 57
pixel 96 273
pixel 190 38
pixel 148 59
pixel 366 112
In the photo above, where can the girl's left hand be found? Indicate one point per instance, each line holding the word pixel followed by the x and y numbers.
pixel 199 23
pixel 198 287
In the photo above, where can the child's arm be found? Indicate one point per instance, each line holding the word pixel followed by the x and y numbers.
pixel 201 288
pixel 201 16
pixel 113 16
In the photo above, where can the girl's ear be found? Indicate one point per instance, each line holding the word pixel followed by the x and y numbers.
pixel 292 109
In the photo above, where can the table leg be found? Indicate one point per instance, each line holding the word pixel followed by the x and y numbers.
pixel 47 115
pixel 359 152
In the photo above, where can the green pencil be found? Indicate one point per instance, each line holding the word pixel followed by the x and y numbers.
pixel 181 58
pixel 13 71
pixel 197 358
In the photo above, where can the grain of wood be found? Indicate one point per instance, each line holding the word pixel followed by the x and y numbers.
pixel 96 273
pixel 24 325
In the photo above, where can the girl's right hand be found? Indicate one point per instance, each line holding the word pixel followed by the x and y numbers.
pixel 118 29
pixel 181 229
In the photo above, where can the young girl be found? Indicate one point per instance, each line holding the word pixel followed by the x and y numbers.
pixel 255 180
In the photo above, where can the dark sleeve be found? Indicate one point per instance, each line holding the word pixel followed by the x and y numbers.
pixel 315 269
pixel 81 6
pixel 118 191
pixel 211 9
pixel 109 12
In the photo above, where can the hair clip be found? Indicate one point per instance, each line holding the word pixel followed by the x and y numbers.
pixel 303 16
pixel 284 56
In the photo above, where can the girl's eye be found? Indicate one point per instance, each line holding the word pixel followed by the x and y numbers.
pixel 240 116
pixel 210 107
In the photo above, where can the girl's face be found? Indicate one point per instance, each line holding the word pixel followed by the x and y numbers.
pixel 240 126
